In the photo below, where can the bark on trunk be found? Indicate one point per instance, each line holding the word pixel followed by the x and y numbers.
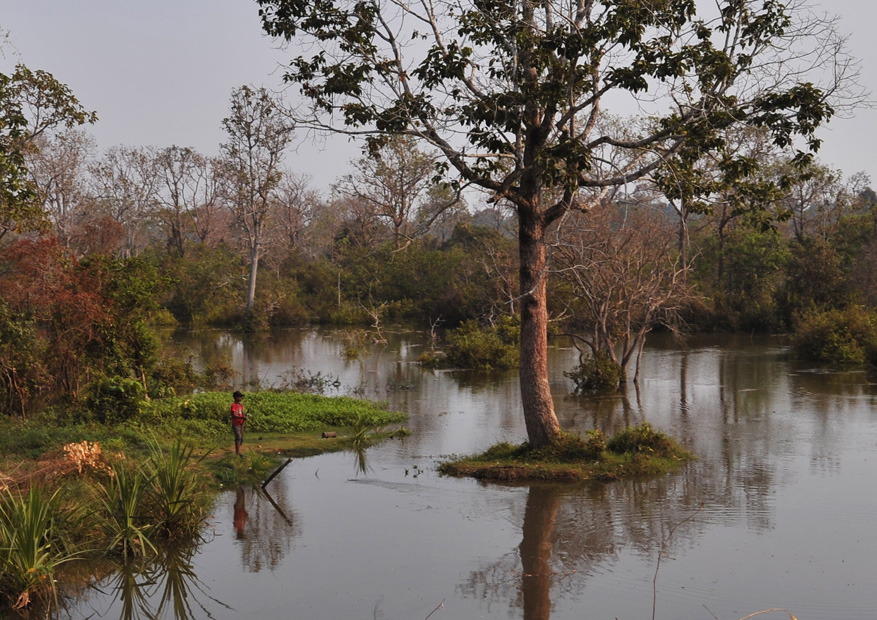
pixel 539 416
pixel 251 289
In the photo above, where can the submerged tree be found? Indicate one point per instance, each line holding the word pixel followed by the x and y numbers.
pixel 625 277
pixel 512 93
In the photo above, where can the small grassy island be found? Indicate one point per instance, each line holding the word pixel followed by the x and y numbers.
pixel 633 453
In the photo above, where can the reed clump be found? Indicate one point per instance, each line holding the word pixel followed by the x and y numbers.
pixel 123 518
pixel 135 510
pixel 32 545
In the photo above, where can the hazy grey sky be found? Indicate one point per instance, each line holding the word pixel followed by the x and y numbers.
pixel 161 72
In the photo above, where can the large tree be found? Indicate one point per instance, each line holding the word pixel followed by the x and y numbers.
pixel 32 105
pixel 512 93
pixel 294 206
pixel 58 167
pixel 258 132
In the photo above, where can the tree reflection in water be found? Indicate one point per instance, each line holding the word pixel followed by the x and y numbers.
pixel 540 517
pixel 570 532
pixel 538 569
pixel 166 586
pixel 161 586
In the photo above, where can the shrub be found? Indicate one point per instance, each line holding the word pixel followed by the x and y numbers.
pixel 566 448
pixel 124 518
pixel 471 346
pixel 172 373
pixel 22 365
pixel 114 399
pixel 162 317
pixel 176 493
pixel 847 336
pixel 356 343
pixel 642 439
pixel 597 374
pixel 504 450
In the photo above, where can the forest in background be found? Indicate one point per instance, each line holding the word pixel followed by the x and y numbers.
pixel 98 248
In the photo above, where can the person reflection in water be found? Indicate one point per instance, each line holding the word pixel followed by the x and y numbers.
pixel 240 515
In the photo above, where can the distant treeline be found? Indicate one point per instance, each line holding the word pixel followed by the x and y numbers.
pixel 98 249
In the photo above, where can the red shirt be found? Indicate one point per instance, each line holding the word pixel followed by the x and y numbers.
pixel 237 414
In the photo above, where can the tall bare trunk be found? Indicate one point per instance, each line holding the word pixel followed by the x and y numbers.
pixel 539 416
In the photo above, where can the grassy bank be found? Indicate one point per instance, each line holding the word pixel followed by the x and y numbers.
pixel 635 452
pixel 74 489
pixel 284 422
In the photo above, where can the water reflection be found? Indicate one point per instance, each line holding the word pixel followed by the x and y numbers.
pixel 550 552
pixel 540 517
pixel 571 534
pixel 240 514
pixel 784 449
pixel 165 586
pixel 264 493
pixel 265 525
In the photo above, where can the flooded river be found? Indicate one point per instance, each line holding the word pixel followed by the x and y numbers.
pixel 777 512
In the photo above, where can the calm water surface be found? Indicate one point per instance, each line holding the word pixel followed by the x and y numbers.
pixel 777 512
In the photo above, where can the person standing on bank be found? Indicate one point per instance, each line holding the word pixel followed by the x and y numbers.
pixel 238 417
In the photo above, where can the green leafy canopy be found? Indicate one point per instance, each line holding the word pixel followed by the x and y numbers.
pixel 513 93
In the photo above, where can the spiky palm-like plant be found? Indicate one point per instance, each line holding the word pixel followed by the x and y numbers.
pixel 125 520
pixel 174 488
pixel 30 544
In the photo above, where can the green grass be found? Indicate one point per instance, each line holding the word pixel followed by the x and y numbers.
pixel 203 418
pixel 634 453
pixel 279 412
pixel 231 471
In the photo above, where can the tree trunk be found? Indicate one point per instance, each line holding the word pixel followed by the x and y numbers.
pixel 683 242
pixel 178 237
pixel 539 416
pixel 254 268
